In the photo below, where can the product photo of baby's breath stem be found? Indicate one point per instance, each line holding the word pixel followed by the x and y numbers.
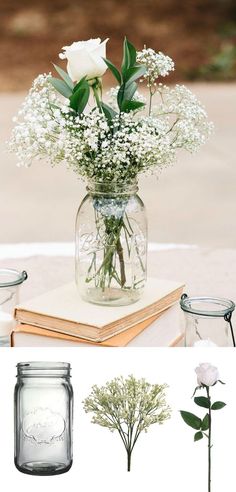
pixel 128 406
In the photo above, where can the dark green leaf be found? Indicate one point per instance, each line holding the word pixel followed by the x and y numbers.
pixel 205 423
pixel 126 58
pixel 83 82
pixel 218 405
pixel 198 436
pixel 132 52
pixel 131 106
pixel 113 69
pixel 202 401
pixel 221 382
pixel 108 111
pixel 191 420
pixel 61 87
pixel 134 73
pixel 126 93
pixel 80 98
pixel 64 75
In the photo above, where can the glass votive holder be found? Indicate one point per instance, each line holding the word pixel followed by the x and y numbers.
pixel 208 321
pixel 10 281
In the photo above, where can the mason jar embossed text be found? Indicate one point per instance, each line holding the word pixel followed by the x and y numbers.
pixel 43 418
pixel 111 244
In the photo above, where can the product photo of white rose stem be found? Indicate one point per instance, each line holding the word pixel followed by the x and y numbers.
pixel 207 377
pixel 128 406
pixel 109 145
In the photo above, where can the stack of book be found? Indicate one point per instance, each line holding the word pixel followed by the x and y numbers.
pixel 60 315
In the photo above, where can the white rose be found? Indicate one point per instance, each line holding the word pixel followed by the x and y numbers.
pixel 85 58
pixel 207 374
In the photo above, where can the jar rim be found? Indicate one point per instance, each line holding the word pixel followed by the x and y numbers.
pixel 15 277
pixel 108 187
pixel 43 368
pixel 187 305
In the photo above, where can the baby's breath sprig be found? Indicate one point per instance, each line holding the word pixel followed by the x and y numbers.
pixel 157 64
pixel 128 406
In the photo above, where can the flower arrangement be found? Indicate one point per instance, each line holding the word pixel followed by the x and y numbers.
pixel 110 142
pixel 207 377
pixel 128 406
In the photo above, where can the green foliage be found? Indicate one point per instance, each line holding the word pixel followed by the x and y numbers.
pixel 198 436
pixel 80 96
pixel 205 422
pixel 109 112
pixel 202 401
pixel 61 87
pixel 114 70
pixel 218 405
pixel 191 420
pixel 64 75
pixel 130 72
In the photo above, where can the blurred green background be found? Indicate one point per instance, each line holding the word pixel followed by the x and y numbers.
pixel 200 35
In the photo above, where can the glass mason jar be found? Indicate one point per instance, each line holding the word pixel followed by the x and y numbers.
pixel 10 281
pixel 111 244
pixel 208 321
pixel 43 418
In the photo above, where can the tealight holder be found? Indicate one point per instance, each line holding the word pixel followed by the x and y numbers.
pixel 10 281
pixel 208 321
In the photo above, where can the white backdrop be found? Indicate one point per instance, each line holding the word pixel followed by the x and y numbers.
pixel 166 458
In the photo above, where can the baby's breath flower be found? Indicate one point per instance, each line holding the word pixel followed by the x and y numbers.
pixel 128 406
pixel 157 64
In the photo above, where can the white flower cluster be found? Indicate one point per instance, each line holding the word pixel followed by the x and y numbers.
pixel 122 403
pixel 40 125
pixel 187 117
pixel 157 64
pixel 133 144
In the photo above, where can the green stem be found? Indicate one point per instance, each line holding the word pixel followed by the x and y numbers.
pixel 120 253
pixel 95 88
pixel 209 441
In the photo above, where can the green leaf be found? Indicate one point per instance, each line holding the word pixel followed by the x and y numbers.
pixel 205 423
pixel 198 436
pixel 132 52
pixel 108 111
pixel 126 93
pixel 218 405
pixel 114 70
pixel 81 83
pixel 202 401
pixel 80 98
pixel 64 75
pixel 126 58
pixel 134 73
pixel 131 106
pixel 191 420
pixel 61 87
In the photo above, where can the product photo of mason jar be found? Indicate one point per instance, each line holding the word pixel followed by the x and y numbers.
pixel 43 418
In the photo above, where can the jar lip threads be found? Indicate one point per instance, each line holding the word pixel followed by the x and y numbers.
pixel 43 369
pixel 206 305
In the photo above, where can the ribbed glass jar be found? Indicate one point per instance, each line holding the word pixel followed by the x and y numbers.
pixel 111 244
pixel 43 418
